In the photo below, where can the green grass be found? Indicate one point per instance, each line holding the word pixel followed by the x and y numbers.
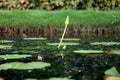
pixel 24 18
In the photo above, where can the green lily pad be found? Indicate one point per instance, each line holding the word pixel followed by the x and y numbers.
pixel 112 72
pixel 105 43
pixel 59 79
pixel 64 43
pixel 6 41
pixel 70 39
pixel 20 65
pixel 88 51
pixel 34 38
pixel 14 56
pixel 115 52
pixel 5 46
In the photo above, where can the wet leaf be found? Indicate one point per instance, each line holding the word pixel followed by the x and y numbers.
pixel 20 65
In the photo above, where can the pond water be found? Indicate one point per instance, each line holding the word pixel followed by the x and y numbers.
pixel 78 58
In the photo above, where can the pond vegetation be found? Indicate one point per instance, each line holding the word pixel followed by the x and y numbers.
pixel 71 65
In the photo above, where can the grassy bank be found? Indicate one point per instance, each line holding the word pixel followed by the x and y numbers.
pixel 57 18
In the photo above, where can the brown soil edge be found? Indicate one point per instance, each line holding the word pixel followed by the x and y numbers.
pixel 49 30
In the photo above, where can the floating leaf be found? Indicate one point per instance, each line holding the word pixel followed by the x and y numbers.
pixel 5 46
pixel 25 51
pixel 59 79
pixel 112 72
pixel 70 39
pixel 63 43
pixel 34 38
pixel 105 43
pixel 31 79
pixel 20 65
pixel 6 41
pixel 115 52
pixel 14 56
pixel 88 51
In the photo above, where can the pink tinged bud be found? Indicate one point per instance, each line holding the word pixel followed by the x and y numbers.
pixel 39 58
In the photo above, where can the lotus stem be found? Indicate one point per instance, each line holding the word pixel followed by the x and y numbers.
pixel 66 24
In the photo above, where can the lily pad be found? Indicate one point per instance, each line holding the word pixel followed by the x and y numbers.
pixel 105 43
pixel 88 51
pixel 14 56
pixel 34 38
pixel 20 65
pixel 59 79
pixel 115 52
pixel 70 39
pixel 6 41
pixel 5 46
pixel 112 72
pixel 64 43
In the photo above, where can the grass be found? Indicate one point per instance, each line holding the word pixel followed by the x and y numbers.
pixel 24 18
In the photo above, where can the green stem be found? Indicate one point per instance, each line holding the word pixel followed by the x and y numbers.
pixel 62 36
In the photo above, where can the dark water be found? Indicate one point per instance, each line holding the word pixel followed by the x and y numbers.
pixel 73 66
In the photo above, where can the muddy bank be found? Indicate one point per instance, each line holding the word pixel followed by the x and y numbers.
pixel 52 31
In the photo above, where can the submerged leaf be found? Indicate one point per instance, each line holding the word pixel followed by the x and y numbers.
pixel 20 65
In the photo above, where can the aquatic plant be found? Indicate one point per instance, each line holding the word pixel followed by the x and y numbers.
pixel 112 71
pixel 112 74
pixel 35 38
pixel 105 43
pixel 66 24
pixel 88 51
pixel 14 56
pixel 5 46
pixel 20 65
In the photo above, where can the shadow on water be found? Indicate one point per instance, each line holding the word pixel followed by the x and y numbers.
pixel 71 65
